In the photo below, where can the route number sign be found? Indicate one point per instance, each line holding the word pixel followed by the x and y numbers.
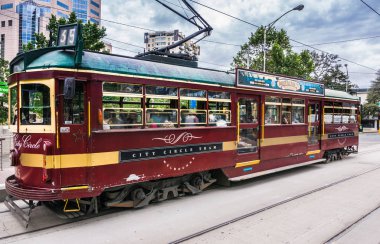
pixel 68 35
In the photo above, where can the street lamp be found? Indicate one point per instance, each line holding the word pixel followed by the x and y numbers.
pixel 345 65
pixel 267 28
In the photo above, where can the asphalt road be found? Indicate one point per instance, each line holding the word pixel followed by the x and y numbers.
pixel 345 212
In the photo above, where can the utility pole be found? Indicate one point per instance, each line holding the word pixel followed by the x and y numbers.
pixel 345 65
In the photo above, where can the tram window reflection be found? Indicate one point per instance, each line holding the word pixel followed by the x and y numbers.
pixel 272 110
pixel 219 109
pixel 74 108
pixel 13 105
pixel 286 111
pixel 298 111
pixel 161 107
pixel 35 104
pixel 248 110
pixel 122 106
pixel 247 140
pixel 329 112
pixel 193 110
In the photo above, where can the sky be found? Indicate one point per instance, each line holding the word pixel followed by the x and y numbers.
pixel 319 22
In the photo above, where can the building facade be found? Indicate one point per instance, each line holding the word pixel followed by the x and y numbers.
pixel 369 123
pixel 161 39
pixel 20 19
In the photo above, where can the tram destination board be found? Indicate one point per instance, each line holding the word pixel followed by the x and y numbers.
pixel 162 152
pixel 254 79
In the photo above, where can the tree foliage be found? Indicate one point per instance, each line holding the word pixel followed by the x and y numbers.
pixel 371 108
pixel 329 71
pixel 92 34
pixel 4 73
pixel 280 58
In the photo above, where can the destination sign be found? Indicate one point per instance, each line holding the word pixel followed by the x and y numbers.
pixel 163 152
pixel 249 78
pixel 340 135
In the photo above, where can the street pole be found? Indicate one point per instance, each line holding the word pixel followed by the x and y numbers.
pixel 264 46
pixel 345 65
pixel 267 28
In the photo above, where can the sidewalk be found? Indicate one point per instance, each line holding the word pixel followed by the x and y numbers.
pixel 7 144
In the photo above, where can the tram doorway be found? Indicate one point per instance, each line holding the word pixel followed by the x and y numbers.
pixel 248 134
pixel 72 129
pixel 314 125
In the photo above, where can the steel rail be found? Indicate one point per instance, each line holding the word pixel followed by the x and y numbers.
pixel 261 210
pixel 348 228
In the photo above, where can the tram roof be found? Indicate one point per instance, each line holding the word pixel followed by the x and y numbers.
pixel 59 58
pixel 130 66
pixel 340 95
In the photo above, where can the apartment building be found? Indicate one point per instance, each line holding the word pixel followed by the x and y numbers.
pixel 20 19
pixel 160 39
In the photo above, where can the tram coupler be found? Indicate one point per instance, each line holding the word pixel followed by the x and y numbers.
pixel 20 212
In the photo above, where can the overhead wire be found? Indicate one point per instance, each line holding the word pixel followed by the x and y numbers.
pixel 218 42
pixel 304 44
pixel 370 7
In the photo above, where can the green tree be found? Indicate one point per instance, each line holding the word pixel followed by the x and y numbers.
pixel 374 90
pixel 92 34
pixel 328 70
pixel 280 58
pixel 371 108
pixel 4 73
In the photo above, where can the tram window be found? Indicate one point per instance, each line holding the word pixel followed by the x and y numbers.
pixel 35 104
pixel 286 111
pixel 74 108
pixel 298 111
pixel 313 113
pixel 193 107
pixel 219 95
pixel 272 110
pixel 338 111
pixel 161 107
pixel 13 103
pixel 248 110
pixel 353 114
pixel 122 106
pixel 346 116
pixel 247 140
pixel 328 113
pixel 111 87
pixel 313 137
pixel 219 108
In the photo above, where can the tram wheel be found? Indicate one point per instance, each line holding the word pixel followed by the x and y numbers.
pixel 196 182
pixel 138 194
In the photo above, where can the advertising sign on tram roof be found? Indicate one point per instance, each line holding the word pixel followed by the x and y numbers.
pixel 254 79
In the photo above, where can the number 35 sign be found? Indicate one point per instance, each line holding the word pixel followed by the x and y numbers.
pixel 68 35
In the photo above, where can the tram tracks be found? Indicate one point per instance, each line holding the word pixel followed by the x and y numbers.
pixel 66 223
pixel 341 233
pixel 210 229
pixel 277 204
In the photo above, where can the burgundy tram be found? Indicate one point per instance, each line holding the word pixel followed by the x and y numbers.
pixel 119 131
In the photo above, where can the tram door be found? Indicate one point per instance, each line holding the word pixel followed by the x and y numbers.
pixel 314 125
pixel 73 137
pixel 248 135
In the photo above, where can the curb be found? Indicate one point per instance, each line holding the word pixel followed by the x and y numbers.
pixel 3 193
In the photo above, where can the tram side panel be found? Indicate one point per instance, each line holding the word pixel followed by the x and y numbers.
pixel 126 157
pixel 340 136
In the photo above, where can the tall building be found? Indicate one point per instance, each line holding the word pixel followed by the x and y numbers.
pixel 20 19
pixel 160 39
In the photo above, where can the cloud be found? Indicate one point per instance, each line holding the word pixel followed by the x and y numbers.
pixel 319 21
